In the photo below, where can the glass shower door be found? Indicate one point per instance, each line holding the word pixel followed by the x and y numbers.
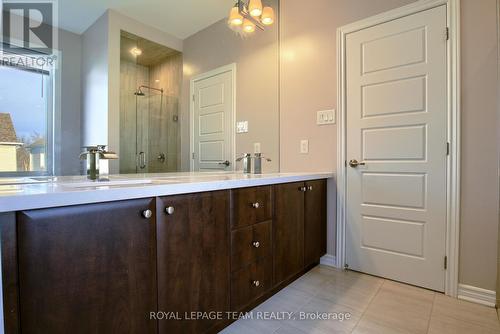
pixel 157 133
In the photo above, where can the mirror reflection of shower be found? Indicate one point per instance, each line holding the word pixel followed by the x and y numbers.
pixel 139 91
pixel 149 129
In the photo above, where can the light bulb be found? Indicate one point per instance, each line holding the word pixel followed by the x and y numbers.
pixel 136 51
pixel 248 26
pixel 255 8
pixel 235 17
pixel 267 16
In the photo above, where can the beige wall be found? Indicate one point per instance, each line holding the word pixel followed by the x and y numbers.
pixel 256 59
pixel 308 83
pixel 480 145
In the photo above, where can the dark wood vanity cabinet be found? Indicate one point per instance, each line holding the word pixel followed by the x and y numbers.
pixel 87 268
pixel 104 268
pixel 251 244
pixel 288 230
pixel 299 227
pixel 314 221
pixel 193 259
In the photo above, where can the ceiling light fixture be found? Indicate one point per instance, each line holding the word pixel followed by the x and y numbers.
pixel 248 14
pixel 136 51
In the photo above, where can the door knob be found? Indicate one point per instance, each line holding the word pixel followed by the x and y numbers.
pixel 303 189
pixel 354 163
pixel 256 283
pixel 255 205
pixel 225 163
pixel 256 244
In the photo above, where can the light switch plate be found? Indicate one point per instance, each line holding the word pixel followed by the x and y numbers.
pixel 256 148
pixel 242 127
pixel 324 117
pixel 304 146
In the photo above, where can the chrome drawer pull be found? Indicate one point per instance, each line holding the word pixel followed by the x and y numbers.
pixel 256 283
pixel 169 210
pixel 256 244
pixel 147 214
pixel 256 205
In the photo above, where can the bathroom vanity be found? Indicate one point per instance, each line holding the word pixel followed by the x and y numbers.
pixel 114 258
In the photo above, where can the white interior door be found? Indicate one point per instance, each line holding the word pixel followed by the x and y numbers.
pixel 397 127
pixel 212 122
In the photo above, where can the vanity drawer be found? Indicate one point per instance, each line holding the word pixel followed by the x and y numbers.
pixel 249 244
pixel 251 206
pixel 251 282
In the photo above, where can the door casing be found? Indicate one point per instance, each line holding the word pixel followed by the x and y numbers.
pixel 223 69
pixel 453 127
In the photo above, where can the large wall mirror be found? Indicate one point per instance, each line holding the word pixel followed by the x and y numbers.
pixel 170 86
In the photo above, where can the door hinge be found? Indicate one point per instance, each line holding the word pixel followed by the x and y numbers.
pixel 446 262
pixel 345 163
pixel 192 155
pixel 447 33
pixel 447 148
pixel 193 97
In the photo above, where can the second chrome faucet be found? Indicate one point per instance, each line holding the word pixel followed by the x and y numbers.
pixel 247 159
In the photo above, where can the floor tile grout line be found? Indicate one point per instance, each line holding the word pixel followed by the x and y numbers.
pixel 367 306
pixel 430 315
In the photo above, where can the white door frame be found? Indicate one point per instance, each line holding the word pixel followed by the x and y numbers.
pixel 453 127
pixel 223 69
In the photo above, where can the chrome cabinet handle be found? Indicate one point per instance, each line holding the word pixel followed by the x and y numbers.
pixel 225 163
pixel 147 214
pixel 354 163
pixel 255 205
pixel 169 210
pixel 310 188
pixel 256 283
pixel 303 189
pixel 256 244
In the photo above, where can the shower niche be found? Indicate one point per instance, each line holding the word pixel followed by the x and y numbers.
pixel 150 85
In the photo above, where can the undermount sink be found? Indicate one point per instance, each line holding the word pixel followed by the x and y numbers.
pixel 105 183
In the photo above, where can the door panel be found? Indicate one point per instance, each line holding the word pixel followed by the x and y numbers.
pixel 88 269
pixel 193 259
pixel 212 124
pixel 397 126
pixel 288 231
pixel 315 221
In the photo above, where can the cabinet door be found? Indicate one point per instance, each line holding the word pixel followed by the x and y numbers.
pixel 88 268
pixel 315 221
pixel 193 259
pixel 288 230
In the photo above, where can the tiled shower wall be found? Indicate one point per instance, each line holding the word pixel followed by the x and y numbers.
pixel 153 129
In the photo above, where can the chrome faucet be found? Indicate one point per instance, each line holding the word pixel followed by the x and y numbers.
pixel 93 154
pixel 257 163
pixel 247 162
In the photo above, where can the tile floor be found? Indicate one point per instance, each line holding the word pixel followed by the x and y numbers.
pixel 375 305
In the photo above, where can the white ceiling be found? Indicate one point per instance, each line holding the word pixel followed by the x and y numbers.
pixel 180 18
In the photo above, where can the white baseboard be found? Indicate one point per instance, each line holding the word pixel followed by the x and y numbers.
pixel 328 260
pixel 477 295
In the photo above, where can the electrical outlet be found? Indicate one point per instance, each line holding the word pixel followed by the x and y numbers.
pixel 324 117
pixel 304 146
pixel 256 148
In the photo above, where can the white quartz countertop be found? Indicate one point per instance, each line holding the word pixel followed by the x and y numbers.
pixel 44 192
